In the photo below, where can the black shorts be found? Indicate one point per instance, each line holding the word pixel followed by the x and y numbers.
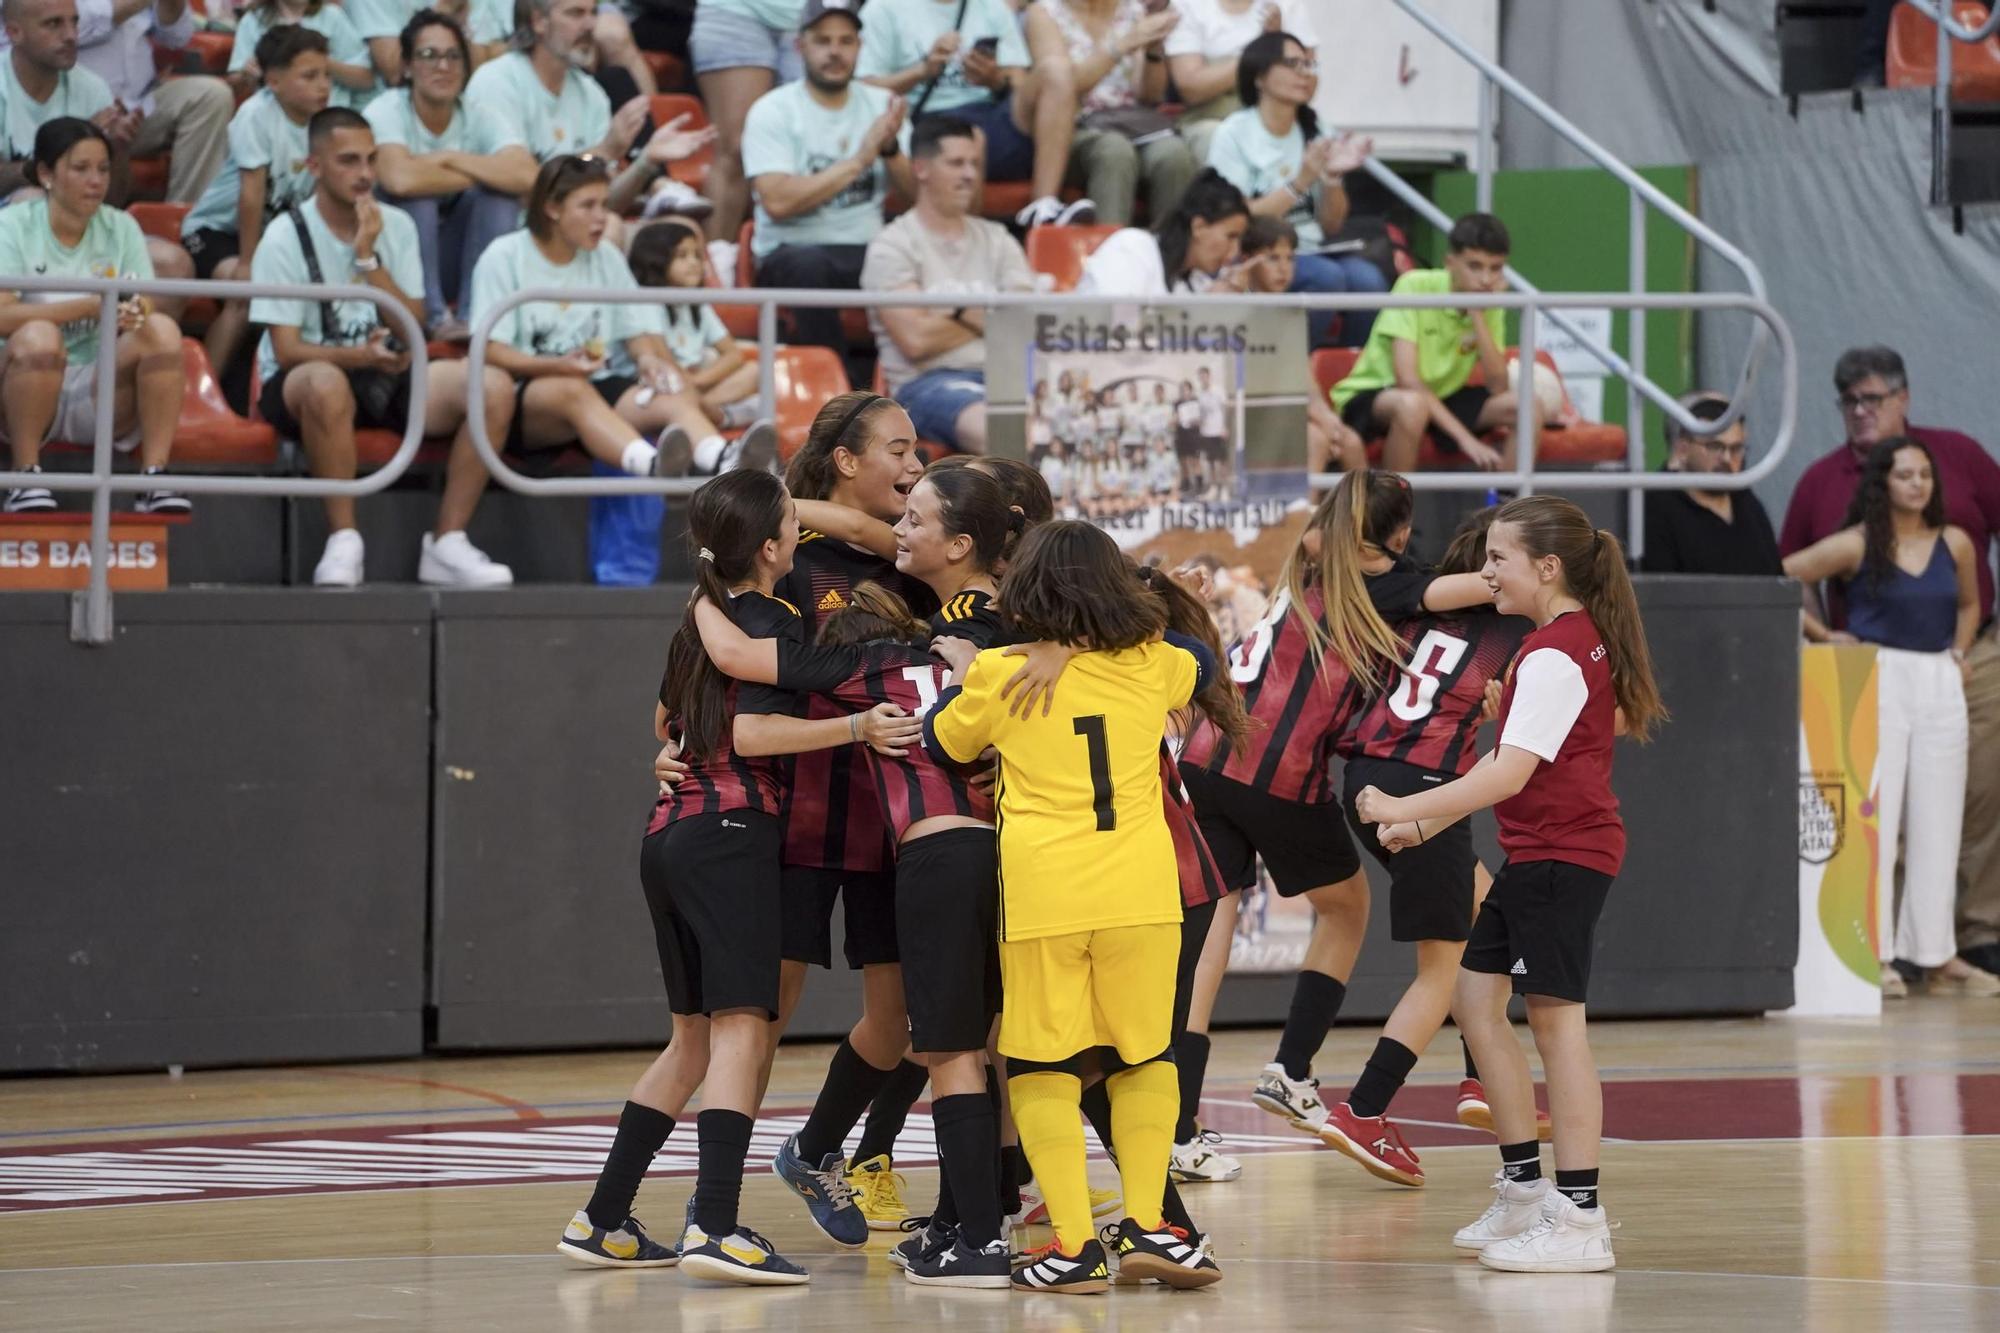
pixel 948 913
pixel 1430 885
pixel 1538 925
pixel 1195 922
pixel 610 389
pixel 711 882
pixel 1187 442
pixel 870 899
pixel 209 247
pixel 1303 846
pixel 381 402
pixel 1466 405
pixel 1215 448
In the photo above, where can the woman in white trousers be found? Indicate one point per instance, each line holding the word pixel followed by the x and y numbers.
pixel 1912 591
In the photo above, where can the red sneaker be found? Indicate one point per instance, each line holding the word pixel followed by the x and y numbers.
pixel 1375 1142
pixel 1474 1113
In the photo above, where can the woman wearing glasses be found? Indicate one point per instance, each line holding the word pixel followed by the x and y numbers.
pixel 1273 151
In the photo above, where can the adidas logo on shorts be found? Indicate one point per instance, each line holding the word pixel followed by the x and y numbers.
pixel 1520 968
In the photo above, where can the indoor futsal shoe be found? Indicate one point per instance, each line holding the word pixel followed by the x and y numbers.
pixel 1374 1141
pixel 1035 1209
pixel 1196 1162
pixel 1515 1208
pixel 1474 1113
pixel 1564 1239
pixel 1169 1256
pixel 625 1247
pixel 925 1234
pixel 959 1264
pixel 1049 1269
pixel 1296 1100
pixel 742 1257
pixel 829 1200
pixel 878 1192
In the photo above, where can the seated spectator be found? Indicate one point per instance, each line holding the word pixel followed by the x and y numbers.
pixel 1268 246
pixel 1414 374
pixel 935 360
pixel 740 50
pixel 39 82
pixel 971 61
pixel 1192 248
pixel 821 155
pixel 589 374
pixel 264 173
pixel 1708 532
pixel 347 56
pixel 329 367
pixel 1272 150
pixel 1204 48
pixel 671 254
pixel 186 116
pixel 49 388
pixel 1120 71
pixel 489 24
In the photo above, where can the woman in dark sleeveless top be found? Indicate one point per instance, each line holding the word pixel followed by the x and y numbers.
pixel 1913 592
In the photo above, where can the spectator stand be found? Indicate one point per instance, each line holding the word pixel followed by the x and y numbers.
pixel 1957 57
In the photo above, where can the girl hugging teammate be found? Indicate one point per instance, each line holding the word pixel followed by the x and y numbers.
pixel 1583 674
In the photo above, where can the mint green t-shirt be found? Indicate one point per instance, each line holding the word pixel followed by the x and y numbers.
pixel 280 259
pixel 395 121
pixel 78 93
pixel 260 135
pixel 490 21
pixel 507 99
pixel 112 247
pixel 381 18
pixel 1256 162
pixel 1447 350
pixel 344 45
pixel 788 133
pixel 901 32
pixel 548 328
pixel 777 15
pixel 691 332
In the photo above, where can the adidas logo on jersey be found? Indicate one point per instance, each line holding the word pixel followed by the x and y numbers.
pixel 833 601
pixel 1520 968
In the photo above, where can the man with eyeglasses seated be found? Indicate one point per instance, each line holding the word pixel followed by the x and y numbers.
pixel 1708 532
pixel 1875 403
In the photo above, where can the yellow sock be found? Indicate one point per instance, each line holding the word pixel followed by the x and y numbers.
pixel 1145 1103
pixel 1048 1115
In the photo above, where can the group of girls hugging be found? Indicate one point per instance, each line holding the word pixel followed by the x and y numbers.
pixel 1033 779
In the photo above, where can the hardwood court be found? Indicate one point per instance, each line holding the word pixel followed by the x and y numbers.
pixel 1764 1174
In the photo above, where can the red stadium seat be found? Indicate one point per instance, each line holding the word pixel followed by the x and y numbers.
pixel 1912 61
pixel 805 377
pixel 668 71
pixel 210 433
pixel 1060 252
pixel 693 171
pixel 149 175
pixel 160 221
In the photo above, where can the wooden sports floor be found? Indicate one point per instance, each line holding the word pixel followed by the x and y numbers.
pixel 1773 1174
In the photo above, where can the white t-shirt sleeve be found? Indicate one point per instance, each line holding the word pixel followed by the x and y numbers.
pixel 1189 37
pixel 1127 264
pixel 1549 694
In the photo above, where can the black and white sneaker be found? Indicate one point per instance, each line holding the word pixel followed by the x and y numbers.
pixel 960 1265
pixel 28 499
pixel 1048 1269
pixel 924 1235
pixel 161 500
pixel 742 1257
pixel 623 1247
pixel 1170 1256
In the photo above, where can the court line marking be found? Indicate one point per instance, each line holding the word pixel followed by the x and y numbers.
pixel 398 1115
pixel 521 1109
pixel 1463 1265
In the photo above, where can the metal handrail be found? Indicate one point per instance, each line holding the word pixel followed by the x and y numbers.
pixel 90 613
pixel 1936 12
pixel 1950 31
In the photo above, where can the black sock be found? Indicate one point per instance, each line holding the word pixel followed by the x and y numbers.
pixel 1097 1110
pixel 724 1141
pixel 1521 1162
pixel 641 1132
pixel 1316 1001
pixel 894 1097
pixel 1580 1186
pixel 1014 1173
pixel 946 1212
pixel 1381 1078
pixel 1191 1059
pixel 1471 1069
pixel 1175 1211
pixel 851 1083
pixel 966 1133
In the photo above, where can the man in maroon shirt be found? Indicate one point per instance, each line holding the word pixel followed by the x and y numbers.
pixel 1875 403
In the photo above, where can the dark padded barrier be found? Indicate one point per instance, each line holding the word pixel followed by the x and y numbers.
pixel 215 830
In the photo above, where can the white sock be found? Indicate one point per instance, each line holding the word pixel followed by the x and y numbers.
pixel 708 453
pixel 638 458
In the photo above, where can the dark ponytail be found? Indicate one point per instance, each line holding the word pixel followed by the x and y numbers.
pixel 1389 506
pixel 1209 198
pixel 972 504
pixel 1221 705
pixel 1265 50
pixel 844 423
pixel 729 520
pixel 1467 552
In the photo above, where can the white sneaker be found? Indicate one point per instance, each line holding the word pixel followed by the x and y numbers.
pixel 1196 1162
pixel 452 561
pixel 1296 1100
pixel 1514 1209
pixel 1564 1239
pixel 340 563
pixel 672 198
pixel 1049 211
pixel 722 258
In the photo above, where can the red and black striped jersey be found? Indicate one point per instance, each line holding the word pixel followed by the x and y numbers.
pixel 974 616
pixel 916 787
pixel 1302 702
pixel 1201 882
pixel 726 780
pixel 832 817
pixel 1429 716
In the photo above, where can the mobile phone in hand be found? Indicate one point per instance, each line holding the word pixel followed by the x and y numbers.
pixel 986 46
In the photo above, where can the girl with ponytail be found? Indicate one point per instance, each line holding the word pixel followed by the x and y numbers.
pixel 1583 675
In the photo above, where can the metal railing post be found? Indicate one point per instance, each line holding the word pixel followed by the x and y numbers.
pixel 1941 121
pixel 1483 147
pixel 96 625
pixel 767 361
pixel 1527 413
pixel 1938 12
pixel 1635 352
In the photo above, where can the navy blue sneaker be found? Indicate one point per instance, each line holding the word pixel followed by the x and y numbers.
pixel 829 1198
pixel 742 1257
pixel 626 1247
pixel 925 1235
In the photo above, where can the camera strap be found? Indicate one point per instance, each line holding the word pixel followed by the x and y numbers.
pixel 327 321
pixel 917 107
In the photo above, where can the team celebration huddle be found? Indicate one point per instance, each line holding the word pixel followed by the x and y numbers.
pixel 1035 783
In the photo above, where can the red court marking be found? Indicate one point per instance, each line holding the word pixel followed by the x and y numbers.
pixel 521 1110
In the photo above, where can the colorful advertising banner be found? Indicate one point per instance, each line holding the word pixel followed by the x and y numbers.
pixel 1843 900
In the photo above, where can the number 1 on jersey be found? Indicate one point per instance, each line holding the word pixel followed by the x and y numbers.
pixel 1091 728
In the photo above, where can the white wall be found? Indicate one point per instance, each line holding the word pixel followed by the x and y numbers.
pixel 1382 74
